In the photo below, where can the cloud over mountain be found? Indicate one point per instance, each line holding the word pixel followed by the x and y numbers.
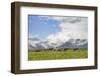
pixel 71 28
pixel 45 44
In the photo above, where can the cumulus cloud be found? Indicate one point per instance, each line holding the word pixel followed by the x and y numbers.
pixel 30 36
pixel 71 28
pixel 58 18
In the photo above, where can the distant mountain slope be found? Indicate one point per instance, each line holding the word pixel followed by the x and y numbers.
pixel 35 43
pixel 75 43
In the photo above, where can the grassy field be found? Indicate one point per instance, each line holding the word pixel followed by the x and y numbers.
pixel 52 55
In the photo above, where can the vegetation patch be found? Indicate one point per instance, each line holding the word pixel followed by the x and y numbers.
pixel 52 54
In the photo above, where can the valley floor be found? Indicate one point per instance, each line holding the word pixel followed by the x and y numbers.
pixel 52 55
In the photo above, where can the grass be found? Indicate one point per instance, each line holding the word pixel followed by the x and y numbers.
pixel 52 55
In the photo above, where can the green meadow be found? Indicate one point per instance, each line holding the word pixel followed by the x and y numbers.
pixel 52 54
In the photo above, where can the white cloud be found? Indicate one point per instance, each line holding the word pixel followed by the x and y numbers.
pixel 58 38
pixel 53 17
pixel 71 28
pixel 76 29
pixel 32 36
pixel 58 18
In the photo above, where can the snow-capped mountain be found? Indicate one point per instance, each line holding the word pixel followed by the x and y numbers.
pixel 35 43
pixel 75 43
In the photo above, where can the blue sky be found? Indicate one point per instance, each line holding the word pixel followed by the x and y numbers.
pixel 42 26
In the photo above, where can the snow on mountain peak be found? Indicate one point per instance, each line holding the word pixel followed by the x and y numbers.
pixel 35 43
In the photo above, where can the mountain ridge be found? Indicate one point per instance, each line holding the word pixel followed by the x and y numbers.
pixel 35 43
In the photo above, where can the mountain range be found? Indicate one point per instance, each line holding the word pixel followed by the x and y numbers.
pixel 36 43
